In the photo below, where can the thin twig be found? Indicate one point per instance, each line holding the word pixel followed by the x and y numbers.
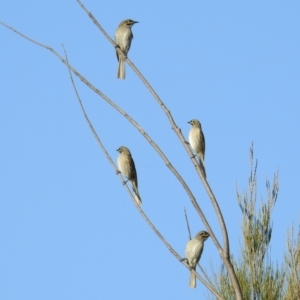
pixel 206 276
pixel 187 224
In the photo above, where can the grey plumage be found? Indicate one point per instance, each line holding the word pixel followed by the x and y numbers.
pixel 127 168
pixel 197 142
pixel 123 38
pixel 193 252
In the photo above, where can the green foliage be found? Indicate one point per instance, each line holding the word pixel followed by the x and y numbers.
pixel 292 266
pixel 259 277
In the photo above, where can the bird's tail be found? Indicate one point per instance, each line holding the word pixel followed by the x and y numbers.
pixel 202 167
pixel 192 280
pixel 137 197
pixel 121 69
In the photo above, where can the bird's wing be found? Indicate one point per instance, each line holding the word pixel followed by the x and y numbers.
pixel 132 168
pixel 203 143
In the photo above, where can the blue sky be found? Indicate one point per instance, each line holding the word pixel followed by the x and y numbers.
pixel 68 228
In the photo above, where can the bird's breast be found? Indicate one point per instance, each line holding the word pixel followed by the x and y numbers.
pixel 125 166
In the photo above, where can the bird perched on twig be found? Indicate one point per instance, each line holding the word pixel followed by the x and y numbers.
pixel 193 251
pixel 127 168
pixel 123 38
pixel 197 142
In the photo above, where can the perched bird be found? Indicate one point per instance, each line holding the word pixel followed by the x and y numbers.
pixel 123 37
pixel 127 168
pixel 197 142
pixel 193 251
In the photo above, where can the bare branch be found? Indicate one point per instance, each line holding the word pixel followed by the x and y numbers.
pixel 97 24
pixel 225 253
pixel 187 224
pixel 206 277
pixel 137 126
pixel 208 285
pixel 179 134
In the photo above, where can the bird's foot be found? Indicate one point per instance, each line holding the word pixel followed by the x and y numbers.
pixel 124 182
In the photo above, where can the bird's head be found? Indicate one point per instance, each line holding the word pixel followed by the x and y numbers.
pixel 202 235
pixel 124 150
pixel 128 23
pixel 195 123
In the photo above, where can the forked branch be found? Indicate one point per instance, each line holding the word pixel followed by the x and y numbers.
pixel 225 253
pixel 101 145
pixel 136 125
pixel 177 130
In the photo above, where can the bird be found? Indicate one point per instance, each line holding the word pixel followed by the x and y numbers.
pixel 127 168
pixel 197 142
pixel 193 251
pixel 123 38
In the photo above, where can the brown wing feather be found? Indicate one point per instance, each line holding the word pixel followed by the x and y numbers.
pixel 202 144
pixel 133 171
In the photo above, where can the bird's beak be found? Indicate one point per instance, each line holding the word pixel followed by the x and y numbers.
pixel 189 122
pixel 135 22
pixel 118 149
